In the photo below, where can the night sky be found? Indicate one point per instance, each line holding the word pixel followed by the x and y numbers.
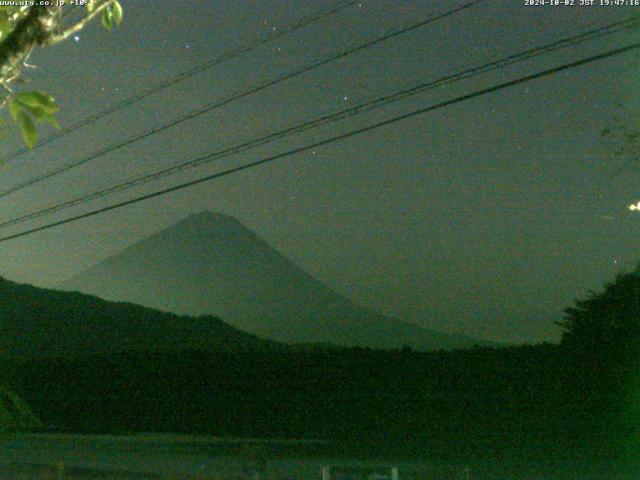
pixel 486 218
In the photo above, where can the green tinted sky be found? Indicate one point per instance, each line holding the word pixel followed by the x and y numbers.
pixel 486 218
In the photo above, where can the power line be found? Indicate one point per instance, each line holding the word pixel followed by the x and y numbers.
pixel 324 120
pixel 230 55
pixel 223 102
pixel 330 140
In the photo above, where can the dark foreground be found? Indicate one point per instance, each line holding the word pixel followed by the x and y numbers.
pixel 568 411
pixel 150 456
pixel 511 413
pixel 170 457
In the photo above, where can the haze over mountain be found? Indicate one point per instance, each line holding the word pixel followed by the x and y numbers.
pixel 212 264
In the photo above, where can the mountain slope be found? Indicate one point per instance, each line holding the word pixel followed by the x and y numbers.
pixel 211 264
pixel 36 322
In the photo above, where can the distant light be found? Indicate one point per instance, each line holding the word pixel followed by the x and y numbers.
pixel 634 207
pixel 76 38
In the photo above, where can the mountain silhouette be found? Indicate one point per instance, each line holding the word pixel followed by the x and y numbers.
pixel 210 263
pixel 38 323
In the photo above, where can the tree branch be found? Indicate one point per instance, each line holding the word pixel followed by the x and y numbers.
pixel 31 30
pixel 57 37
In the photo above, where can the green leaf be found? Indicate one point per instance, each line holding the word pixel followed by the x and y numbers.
pixel 117 12
pixel 5 25
pixel 27 106
pixel 107 18
pixel 37 100
pixel 34 104
pixel 14 109
pixel 44 116
pixel 28 129
pixel 111 15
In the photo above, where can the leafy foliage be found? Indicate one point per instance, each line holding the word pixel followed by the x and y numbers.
pixel 29 108
pixel 112 15
pixel 9 16
pixel 607 321
pixel 26 107
pixel 602 343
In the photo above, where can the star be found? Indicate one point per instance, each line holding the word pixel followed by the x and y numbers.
pixel 76 38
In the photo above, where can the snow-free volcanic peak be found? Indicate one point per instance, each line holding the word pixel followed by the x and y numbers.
pixel 210 263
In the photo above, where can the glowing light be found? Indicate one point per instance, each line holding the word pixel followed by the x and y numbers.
pixel 634 207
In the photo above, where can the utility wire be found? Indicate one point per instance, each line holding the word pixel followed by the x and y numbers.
pixel 230 55
pixel 237 96
pixel 324 120
pixel 343 136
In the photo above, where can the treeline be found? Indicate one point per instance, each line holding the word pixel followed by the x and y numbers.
pixel 523 402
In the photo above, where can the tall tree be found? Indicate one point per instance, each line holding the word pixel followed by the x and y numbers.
pixel 602 347
pixel 606 323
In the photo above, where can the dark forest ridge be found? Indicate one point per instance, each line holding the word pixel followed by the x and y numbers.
pixel 211 264
pixel 37 322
